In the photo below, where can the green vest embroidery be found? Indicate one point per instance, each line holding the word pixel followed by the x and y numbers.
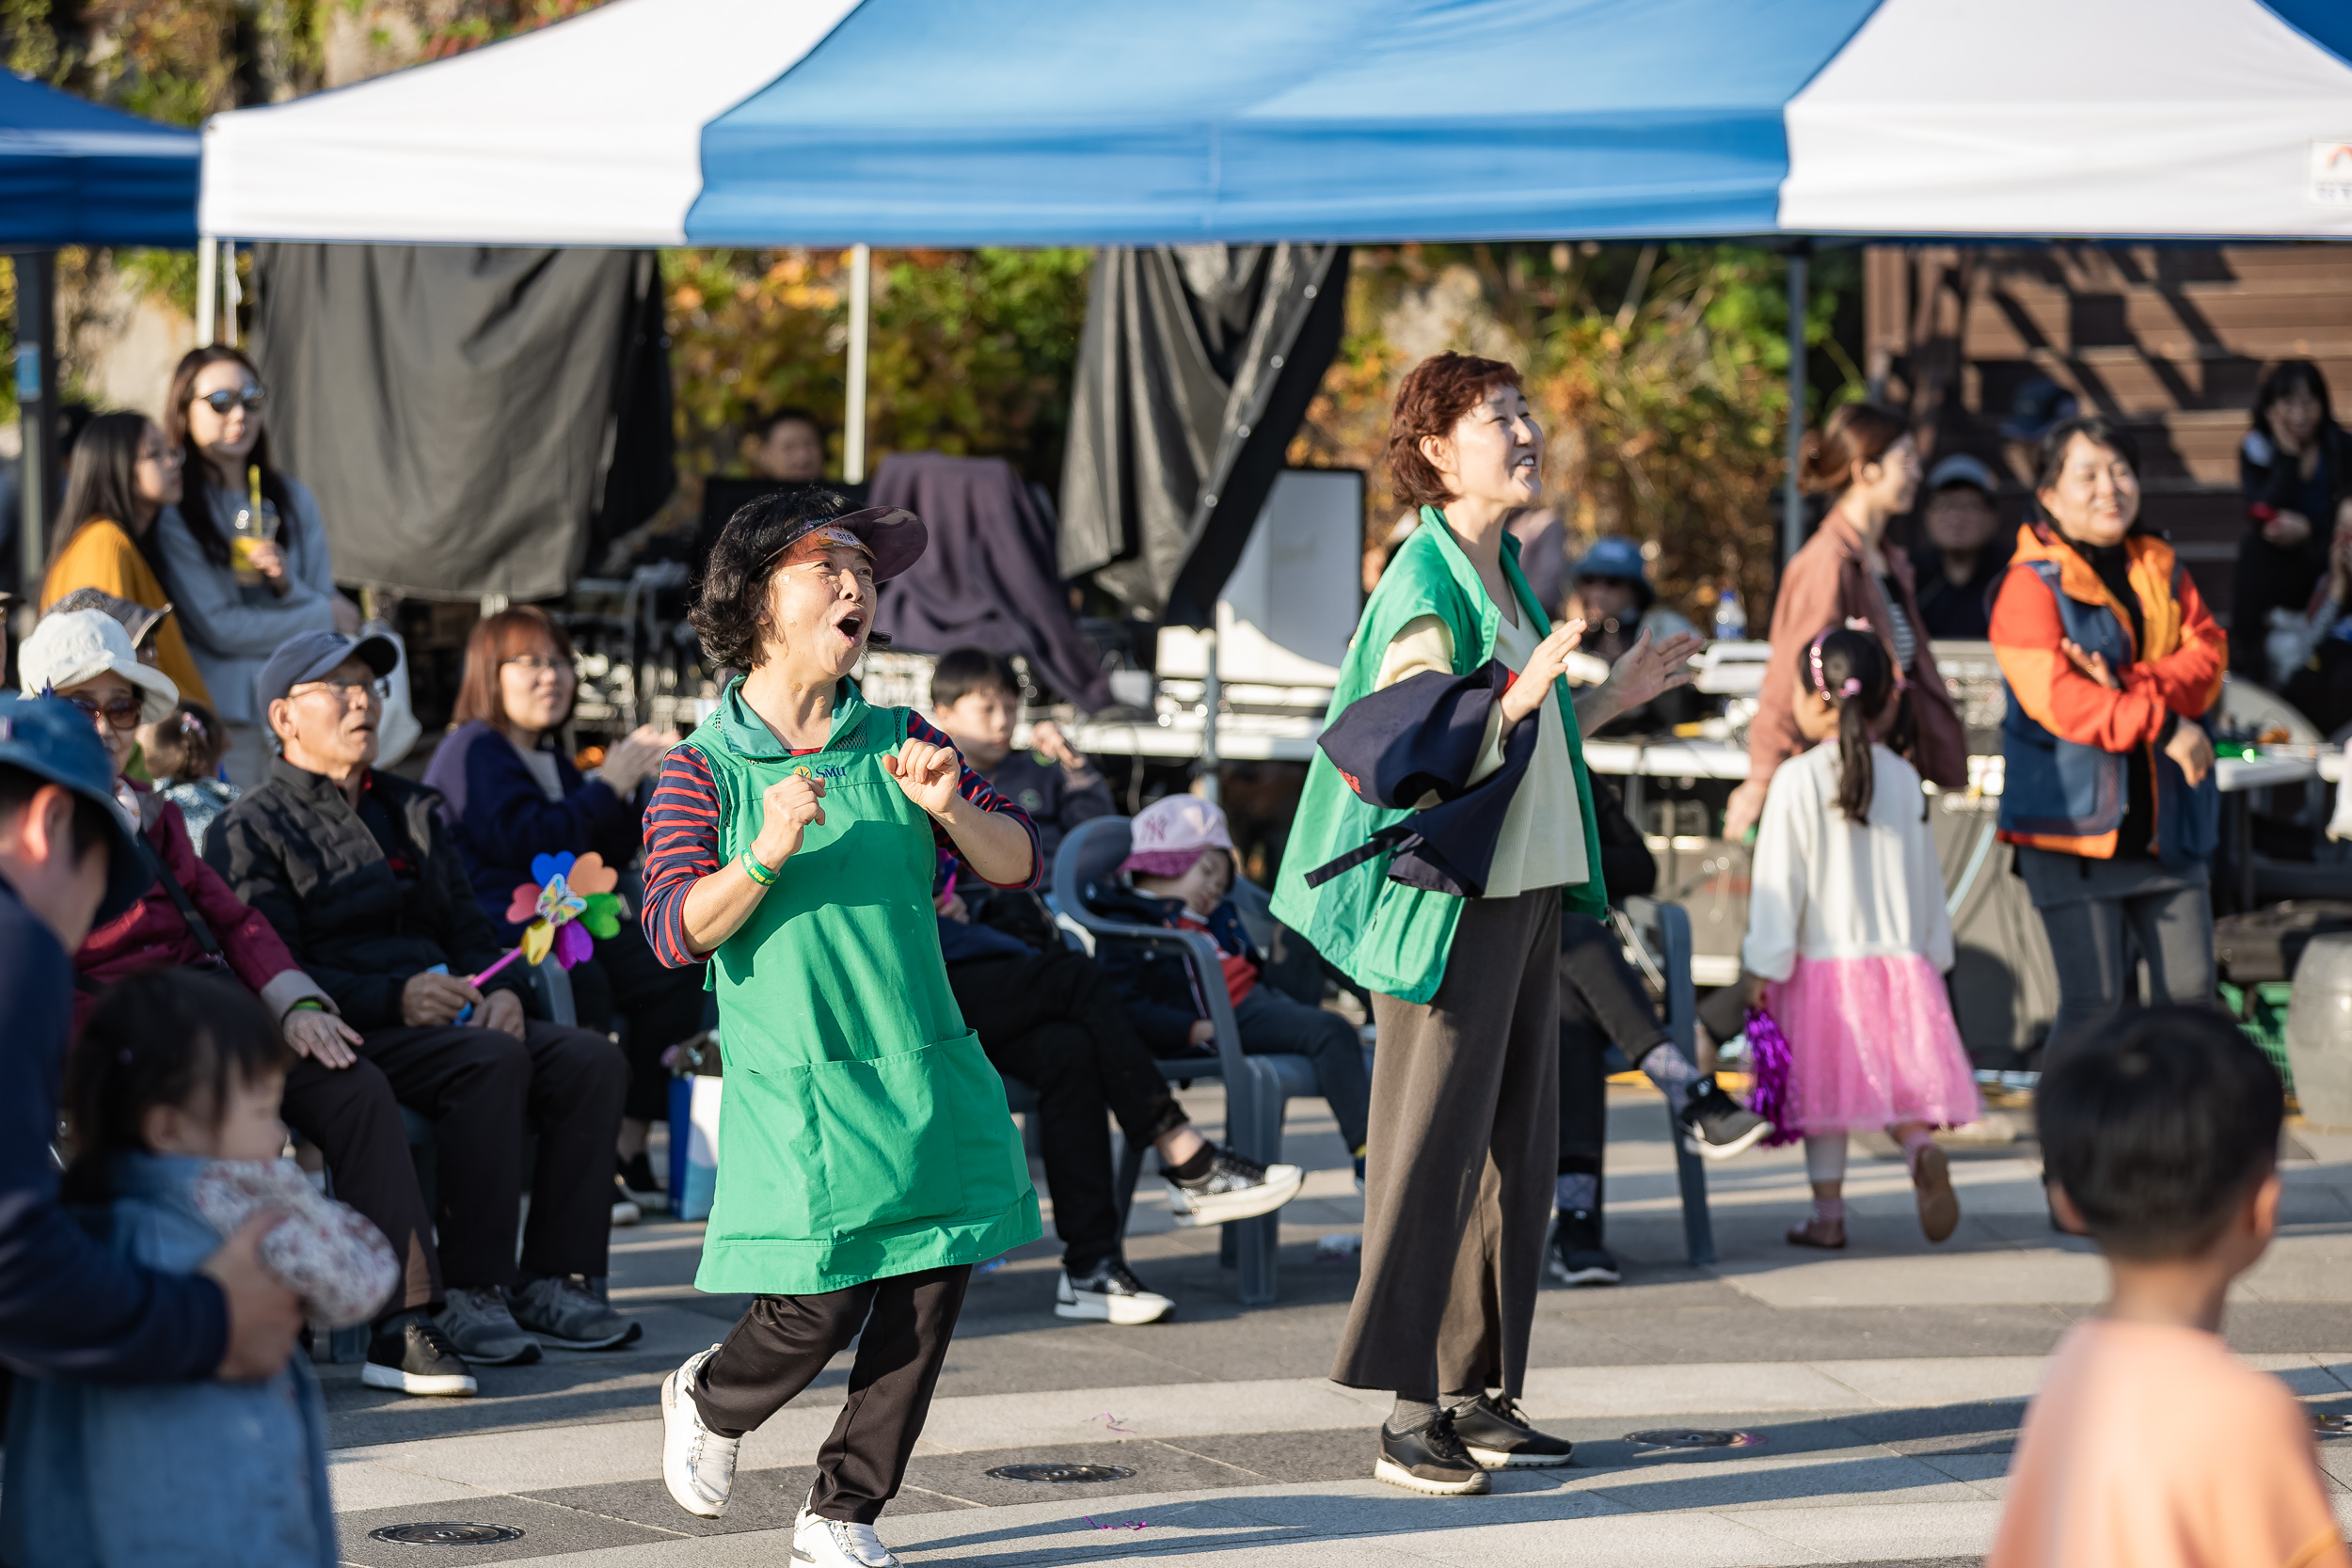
pixel 863 1132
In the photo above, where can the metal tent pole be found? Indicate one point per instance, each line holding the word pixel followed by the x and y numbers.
pixel 36 410
pixel 1211 693
pixel 207 289
pixel 1791 491
pixel 854 416
pixel 231 294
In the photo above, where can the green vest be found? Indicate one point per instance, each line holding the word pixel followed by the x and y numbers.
pixel 1385 936
pixel 862 1131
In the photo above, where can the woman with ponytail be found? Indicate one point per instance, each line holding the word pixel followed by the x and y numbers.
pixel 1866 457
pixel 1847 942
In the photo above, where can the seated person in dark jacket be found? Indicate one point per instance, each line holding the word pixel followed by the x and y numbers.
pixel 1181 864
pixel 357 874
pixel 1966 550
pixel 509 793
pixel 976 697
pixel 2294 469
pixel 69 1307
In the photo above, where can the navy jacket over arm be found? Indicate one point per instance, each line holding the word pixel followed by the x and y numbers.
pixel 69 1308
pixel 501 818
pixel 1422 737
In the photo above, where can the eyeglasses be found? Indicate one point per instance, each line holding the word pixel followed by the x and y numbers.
pixel 343 692
pixel 121 712
pixel 538 664
pixel 223 401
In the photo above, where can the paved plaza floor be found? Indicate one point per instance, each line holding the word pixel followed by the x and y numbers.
pixel 1879 1391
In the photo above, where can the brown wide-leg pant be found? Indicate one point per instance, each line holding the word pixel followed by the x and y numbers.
pixel 1458 1179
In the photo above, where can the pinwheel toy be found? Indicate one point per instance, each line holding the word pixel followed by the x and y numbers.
pixel 572 897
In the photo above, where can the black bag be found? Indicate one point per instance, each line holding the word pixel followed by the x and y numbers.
pixel 2266 944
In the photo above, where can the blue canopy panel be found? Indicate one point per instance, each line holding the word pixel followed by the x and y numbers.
pixel 1069 123
pixel 74 173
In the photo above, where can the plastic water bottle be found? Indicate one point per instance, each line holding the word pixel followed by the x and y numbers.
pixel 1731 621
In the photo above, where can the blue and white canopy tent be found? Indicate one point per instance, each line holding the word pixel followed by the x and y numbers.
pixel 74 173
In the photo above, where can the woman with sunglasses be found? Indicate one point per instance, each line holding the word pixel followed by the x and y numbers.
pixel 122 476
pixel 242 588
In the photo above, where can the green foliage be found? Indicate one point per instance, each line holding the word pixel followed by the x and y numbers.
pixel 970 352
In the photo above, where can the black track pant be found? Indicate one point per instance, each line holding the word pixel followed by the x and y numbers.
pixel 901 1325
pixel 1601 1000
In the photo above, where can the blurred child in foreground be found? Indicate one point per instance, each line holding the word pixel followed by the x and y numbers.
pixel 2150 1445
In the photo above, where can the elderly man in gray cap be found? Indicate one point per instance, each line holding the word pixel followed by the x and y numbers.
pixel 356 873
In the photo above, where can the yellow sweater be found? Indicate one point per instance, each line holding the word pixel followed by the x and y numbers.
pixel 102 555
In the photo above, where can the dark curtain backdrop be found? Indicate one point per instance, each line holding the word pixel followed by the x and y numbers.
pixel 473 419
pixel 1196 366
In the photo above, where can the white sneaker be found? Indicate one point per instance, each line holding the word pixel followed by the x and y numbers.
pixel 1234 1188
pixel 1110 1294
pixel 697 1464
pixel 831 1544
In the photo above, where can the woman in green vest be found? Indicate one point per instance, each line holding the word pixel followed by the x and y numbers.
pixel 1465 1094
pixel 865 1157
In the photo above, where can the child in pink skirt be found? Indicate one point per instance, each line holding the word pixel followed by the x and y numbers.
pixel 1847 942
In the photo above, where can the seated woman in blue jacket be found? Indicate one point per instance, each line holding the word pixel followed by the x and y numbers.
pixel 509 793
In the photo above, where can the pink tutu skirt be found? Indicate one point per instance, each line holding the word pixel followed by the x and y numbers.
pixel 1872 1042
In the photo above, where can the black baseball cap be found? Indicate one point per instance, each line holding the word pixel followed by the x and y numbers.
pixel 51 738
pixel 312 656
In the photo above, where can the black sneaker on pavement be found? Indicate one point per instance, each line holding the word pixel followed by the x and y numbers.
pixel 1495 1434
pixel 1233 1188
pixel 639 1186
pixel 1110 1293
pixel 482 1326
pixel 410 1355
pixel 1431 1459
pixel 565 1313
pixel 1720 1126
pixel 1578 1256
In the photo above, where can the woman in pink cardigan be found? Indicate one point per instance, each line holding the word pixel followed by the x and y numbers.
pixel 1865 454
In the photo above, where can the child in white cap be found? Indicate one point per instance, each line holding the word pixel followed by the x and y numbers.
pixel 1181 862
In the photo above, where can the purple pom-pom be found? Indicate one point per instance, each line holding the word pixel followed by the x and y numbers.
pixel 1769 1095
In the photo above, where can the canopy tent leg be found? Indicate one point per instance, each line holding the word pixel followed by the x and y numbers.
pixel 231 293
pixel 854 416
pixel 37 409
pixel 1791 489
pixel 207 289
pixel 1212 694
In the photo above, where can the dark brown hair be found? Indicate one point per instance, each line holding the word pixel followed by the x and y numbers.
pixel 496 639
pixel 2100 433
pixel 101 481
pixel 1431 400
pixel 164 1037
pixel 961 672
pixel 1855 432
pixel 187 745
pixel 1854 673
pixel 731 601
pixel 195 505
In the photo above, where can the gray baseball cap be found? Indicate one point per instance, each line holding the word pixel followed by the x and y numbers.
pixel 312 656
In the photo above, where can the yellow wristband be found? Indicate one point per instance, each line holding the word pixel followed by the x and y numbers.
pixel 757 872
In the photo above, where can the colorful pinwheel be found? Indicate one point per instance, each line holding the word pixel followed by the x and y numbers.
pixel 572 897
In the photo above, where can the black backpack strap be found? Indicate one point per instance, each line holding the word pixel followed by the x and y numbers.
pixel 197 927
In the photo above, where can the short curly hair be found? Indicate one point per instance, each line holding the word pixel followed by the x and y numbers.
pixel 731 601
pixel 1435 395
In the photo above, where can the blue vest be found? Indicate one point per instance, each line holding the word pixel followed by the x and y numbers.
pixel 2055 789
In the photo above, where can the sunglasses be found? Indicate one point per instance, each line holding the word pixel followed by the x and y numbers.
pixel 121 712
pixel 221 401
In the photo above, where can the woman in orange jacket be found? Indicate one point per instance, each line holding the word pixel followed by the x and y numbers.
pixel 2112 663
pixel 1866 455
pixel 124 474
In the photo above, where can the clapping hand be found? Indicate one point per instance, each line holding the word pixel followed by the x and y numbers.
pixel 929 774
pixel 1544 666
pixel 2092 664
pixel 789 805
pixel 1046 737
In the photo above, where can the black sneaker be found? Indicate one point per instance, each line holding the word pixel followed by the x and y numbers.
pixel 639 1186
pixel 1720 1126
pixel 1495 1434
pixel 1578 1256
pixel 1233 1188
pixel 1110 1293
pixel 1431 1459
pixel 410 1355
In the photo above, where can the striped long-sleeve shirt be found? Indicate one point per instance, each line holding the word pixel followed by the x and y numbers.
pixel 682 839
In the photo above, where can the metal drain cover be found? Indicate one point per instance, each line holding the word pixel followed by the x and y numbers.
pixel 446 1533
pixel 1692 1437
pixel 1061 1474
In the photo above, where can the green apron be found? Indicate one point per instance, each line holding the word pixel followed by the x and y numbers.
pixel 862 1131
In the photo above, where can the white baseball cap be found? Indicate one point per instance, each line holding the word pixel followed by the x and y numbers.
pixel 76 645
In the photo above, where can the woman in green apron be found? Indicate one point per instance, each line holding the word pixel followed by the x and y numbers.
pixel 865 1157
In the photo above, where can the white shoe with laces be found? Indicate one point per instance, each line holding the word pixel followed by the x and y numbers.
pixel 697 1464
pixel 834 1543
